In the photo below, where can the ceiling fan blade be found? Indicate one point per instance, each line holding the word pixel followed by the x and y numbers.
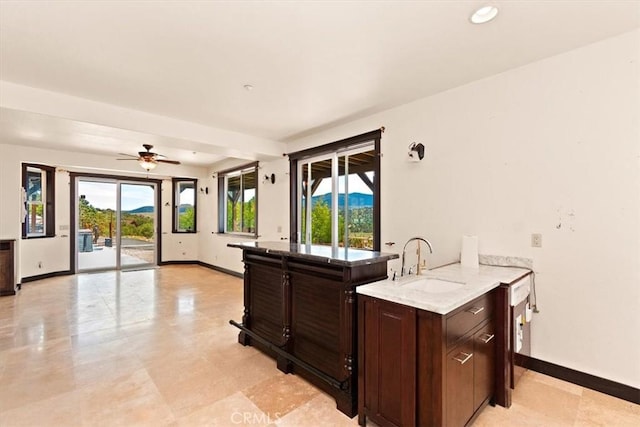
pixel 128 155
pixel 173 162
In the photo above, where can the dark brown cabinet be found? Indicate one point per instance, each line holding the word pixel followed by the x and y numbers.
pixel 388 360
pixel 7 272
pixel 460 384
pixel 470 375
pixel 452 359
pixel 301 310
pixel 484 363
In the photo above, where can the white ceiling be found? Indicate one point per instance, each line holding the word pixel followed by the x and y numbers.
pixel 312 64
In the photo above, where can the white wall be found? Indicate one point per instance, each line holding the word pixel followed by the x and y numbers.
pixel 53 253
pixel 273 212
pixel 553 148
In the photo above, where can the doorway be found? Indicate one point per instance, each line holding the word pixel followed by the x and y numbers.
pixel 116 223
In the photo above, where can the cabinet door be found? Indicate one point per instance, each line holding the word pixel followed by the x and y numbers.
pixel 484 364
pixel 266 302
pixel 460 387
pixel 7 276
pixel 316 325
pixel 390 351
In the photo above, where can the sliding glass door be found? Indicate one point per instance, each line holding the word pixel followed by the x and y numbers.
pixel 115 224
pixel 337 193
pixel 137 245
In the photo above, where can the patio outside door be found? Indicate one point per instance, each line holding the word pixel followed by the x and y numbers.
pixel 137 228
pixel 115 224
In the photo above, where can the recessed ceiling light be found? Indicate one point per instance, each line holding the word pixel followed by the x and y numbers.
pixel 484 14
pixel 248 87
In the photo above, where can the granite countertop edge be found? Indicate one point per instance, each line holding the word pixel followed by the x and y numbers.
pixel 277 248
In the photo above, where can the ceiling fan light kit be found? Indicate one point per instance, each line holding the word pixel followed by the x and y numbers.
pixel 147 164
pixel 149 160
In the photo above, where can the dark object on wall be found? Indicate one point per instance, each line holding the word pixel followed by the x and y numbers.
pixel 7 272
pixel 416 151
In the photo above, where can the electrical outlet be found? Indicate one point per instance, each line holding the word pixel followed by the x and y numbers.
pixel 536 240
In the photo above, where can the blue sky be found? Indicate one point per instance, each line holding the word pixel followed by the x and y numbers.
pixel 102 195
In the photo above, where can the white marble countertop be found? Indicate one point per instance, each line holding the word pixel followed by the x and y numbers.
pixel 475 282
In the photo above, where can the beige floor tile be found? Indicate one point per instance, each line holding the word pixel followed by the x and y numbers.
pixel 60 410
pixel 280 394
pixel 131 399
pixel 102 369
pixel 553 382
pixel 318 412
pixel 236 409
pixel 191 383
pixel 518 415
pixel 21 388
pixel 37 355
pixel 551 401
pixel 598 409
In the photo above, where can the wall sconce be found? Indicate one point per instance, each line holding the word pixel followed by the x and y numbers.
pixel 270 178
pixel 416 152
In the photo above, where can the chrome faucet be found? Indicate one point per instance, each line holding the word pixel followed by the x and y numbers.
pixel 404 251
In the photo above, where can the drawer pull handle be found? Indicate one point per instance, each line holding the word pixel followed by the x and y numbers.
pixel 475 310
pixel 487 338
pixel 467 356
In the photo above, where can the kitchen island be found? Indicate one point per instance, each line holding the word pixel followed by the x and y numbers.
pixel 434 349
pixel 299 307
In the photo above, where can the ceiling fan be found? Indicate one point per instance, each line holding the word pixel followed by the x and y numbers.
pixel 149 160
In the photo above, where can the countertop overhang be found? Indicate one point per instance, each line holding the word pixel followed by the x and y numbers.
pixel 325 254
pixel 476 282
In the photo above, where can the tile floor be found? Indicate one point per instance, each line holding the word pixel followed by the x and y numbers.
pixel 154 348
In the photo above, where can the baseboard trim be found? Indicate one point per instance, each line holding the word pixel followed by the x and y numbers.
pixel 45 276
pixel 221 269
pixel 612 388
pixel 178 262
pixel 206 265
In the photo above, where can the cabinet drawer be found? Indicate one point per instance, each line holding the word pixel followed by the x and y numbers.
pixel 468 317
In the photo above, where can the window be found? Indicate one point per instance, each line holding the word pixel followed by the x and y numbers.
pixel 238 200
pixel 38 183
pixel 336 200
pixel 184 205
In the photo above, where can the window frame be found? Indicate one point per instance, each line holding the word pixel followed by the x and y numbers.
pixel 329 149
pixel 222 197
pixel 48 201
pixel 175 203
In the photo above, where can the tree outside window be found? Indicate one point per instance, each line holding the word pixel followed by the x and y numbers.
pixel 238 198
pixel 184 205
